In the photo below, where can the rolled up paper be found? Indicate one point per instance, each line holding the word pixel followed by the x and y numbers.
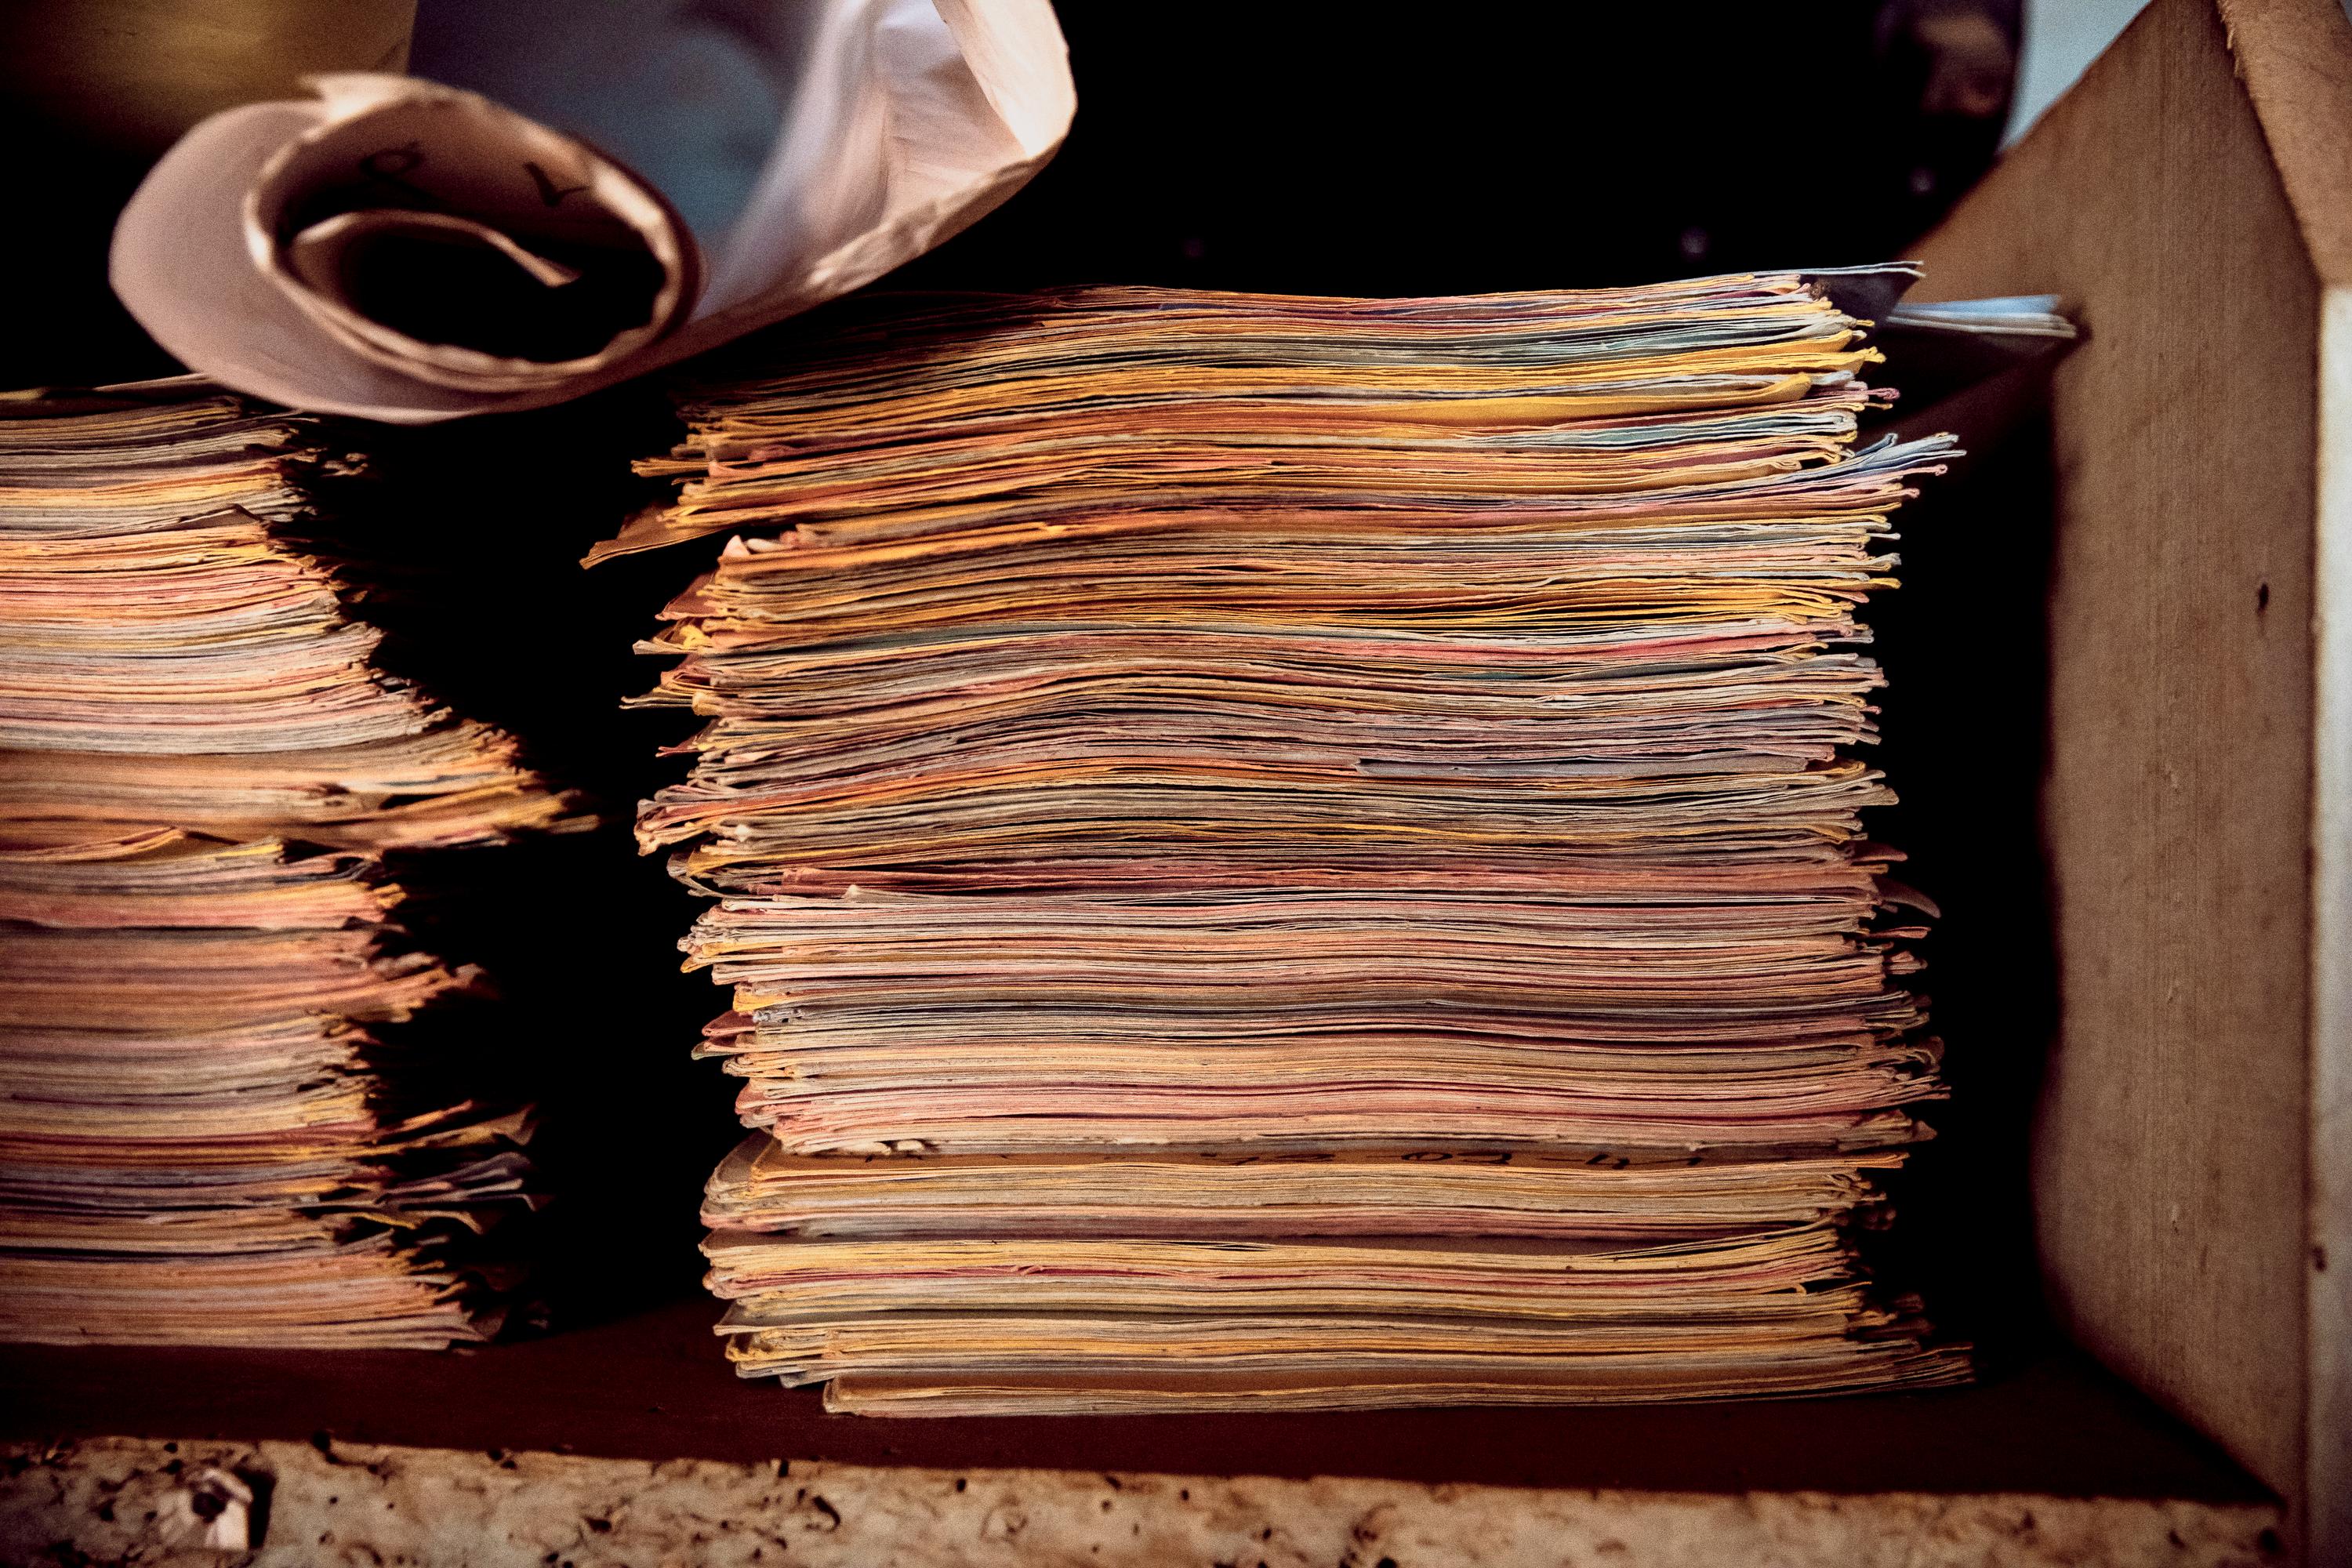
pixel 405 251
pixel 433 232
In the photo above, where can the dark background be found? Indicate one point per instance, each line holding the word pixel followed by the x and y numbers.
pixel 1290 148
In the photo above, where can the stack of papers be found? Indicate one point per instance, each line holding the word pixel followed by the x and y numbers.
pixel 1282 852
pixel 227 1116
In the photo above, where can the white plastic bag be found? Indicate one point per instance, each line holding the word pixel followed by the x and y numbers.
pixel 407 251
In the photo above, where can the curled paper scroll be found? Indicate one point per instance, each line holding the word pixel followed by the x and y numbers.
pixel 409 251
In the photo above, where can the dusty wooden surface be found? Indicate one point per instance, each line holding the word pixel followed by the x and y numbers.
pixel 657 1385
pixel 2328 1422
pixel 2173 1147
pixel 123 1500
pixel 2296 59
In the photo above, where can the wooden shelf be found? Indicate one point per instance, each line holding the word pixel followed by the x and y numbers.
pixel 654 1385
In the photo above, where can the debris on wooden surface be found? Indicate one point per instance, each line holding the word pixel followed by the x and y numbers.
pixel 325 1503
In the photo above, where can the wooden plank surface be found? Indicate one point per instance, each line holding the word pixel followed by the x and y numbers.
pixel 2171 1147
pixel 2328 1422
pixel 2296 59
pixel 654 1385
pixel 127 1500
